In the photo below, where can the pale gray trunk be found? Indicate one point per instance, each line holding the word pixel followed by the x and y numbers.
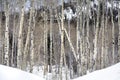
pixel 113 38
pixel 45 45
pixel 103 42
pixel 33 15
pixel 20 39
pixel 51 40
pixel 7 34
pixel 62 43
pixel 119 36
pixel 96 38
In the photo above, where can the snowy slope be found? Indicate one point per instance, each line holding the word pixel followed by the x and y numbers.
pixel 111 73
pixel 8 73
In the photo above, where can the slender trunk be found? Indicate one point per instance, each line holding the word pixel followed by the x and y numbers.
pixel 88 39
pixel 51 40
pixel 7 34
pixel 83 56
pixel 113 38
pixel 1 37
pixel 96 38
pixel 20 38
pixel 103 44
pixel 13 42
pixel 81 47
pixel 45 45
pixel 70 56
pixel 78 41
pixel 33 15
pixel 119 36
pixel 106 42
pixel 70 43
pixel 62 42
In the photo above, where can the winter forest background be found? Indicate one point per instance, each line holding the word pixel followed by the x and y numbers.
pixel 74 37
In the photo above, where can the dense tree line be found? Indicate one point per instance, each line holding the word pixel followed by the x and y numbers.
pixel 81 36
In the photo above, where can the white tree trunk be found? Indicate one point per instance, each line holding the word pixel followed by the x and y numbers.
pixel 20 40
pixel 7 34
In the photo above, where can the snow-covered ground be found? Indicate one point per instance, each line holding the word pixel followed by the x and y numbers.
pixel 38 70
pixel 110 73
pixel 8 73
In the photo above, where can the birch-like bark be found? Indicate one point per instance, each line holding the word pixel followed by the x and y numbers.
pixel 51 40
pixel 7 34
pixel 106 41
pixel 13 42
pixel 81 41
pixel 83 54
pixel 113 38
pixel 45 45
pixel 70 56
pixel 103 42
pixel 20 42
pixel 88 38
pixel 78 40
pixel 62 42
pixel 96 37
pixel 33 15
pixel 70 43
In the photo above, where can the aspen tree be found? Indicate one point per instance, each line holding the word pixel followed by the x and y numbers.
pixel 113 38
pixel 13 41
pixel 14 35
pixel 51 37
pixel 81 41
pixel 19 52
pixel 16 24
pixel 27 45
pixel 7 33
pixel 103 41
pixel 96 37
pixel 119 36
pixel 88 37
pixel 45 44
pixel 70 56
pixel 33 15
pixel 62 42
pixel 70 44
pixel 78 40
pixel 106 41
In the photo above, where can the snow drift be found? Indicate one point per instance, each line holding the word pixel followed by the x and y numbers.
pixel 110 73
pixel 8 73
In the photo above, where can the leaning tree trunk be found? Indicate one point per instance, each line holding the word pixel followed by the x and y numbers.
pixel 62 42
